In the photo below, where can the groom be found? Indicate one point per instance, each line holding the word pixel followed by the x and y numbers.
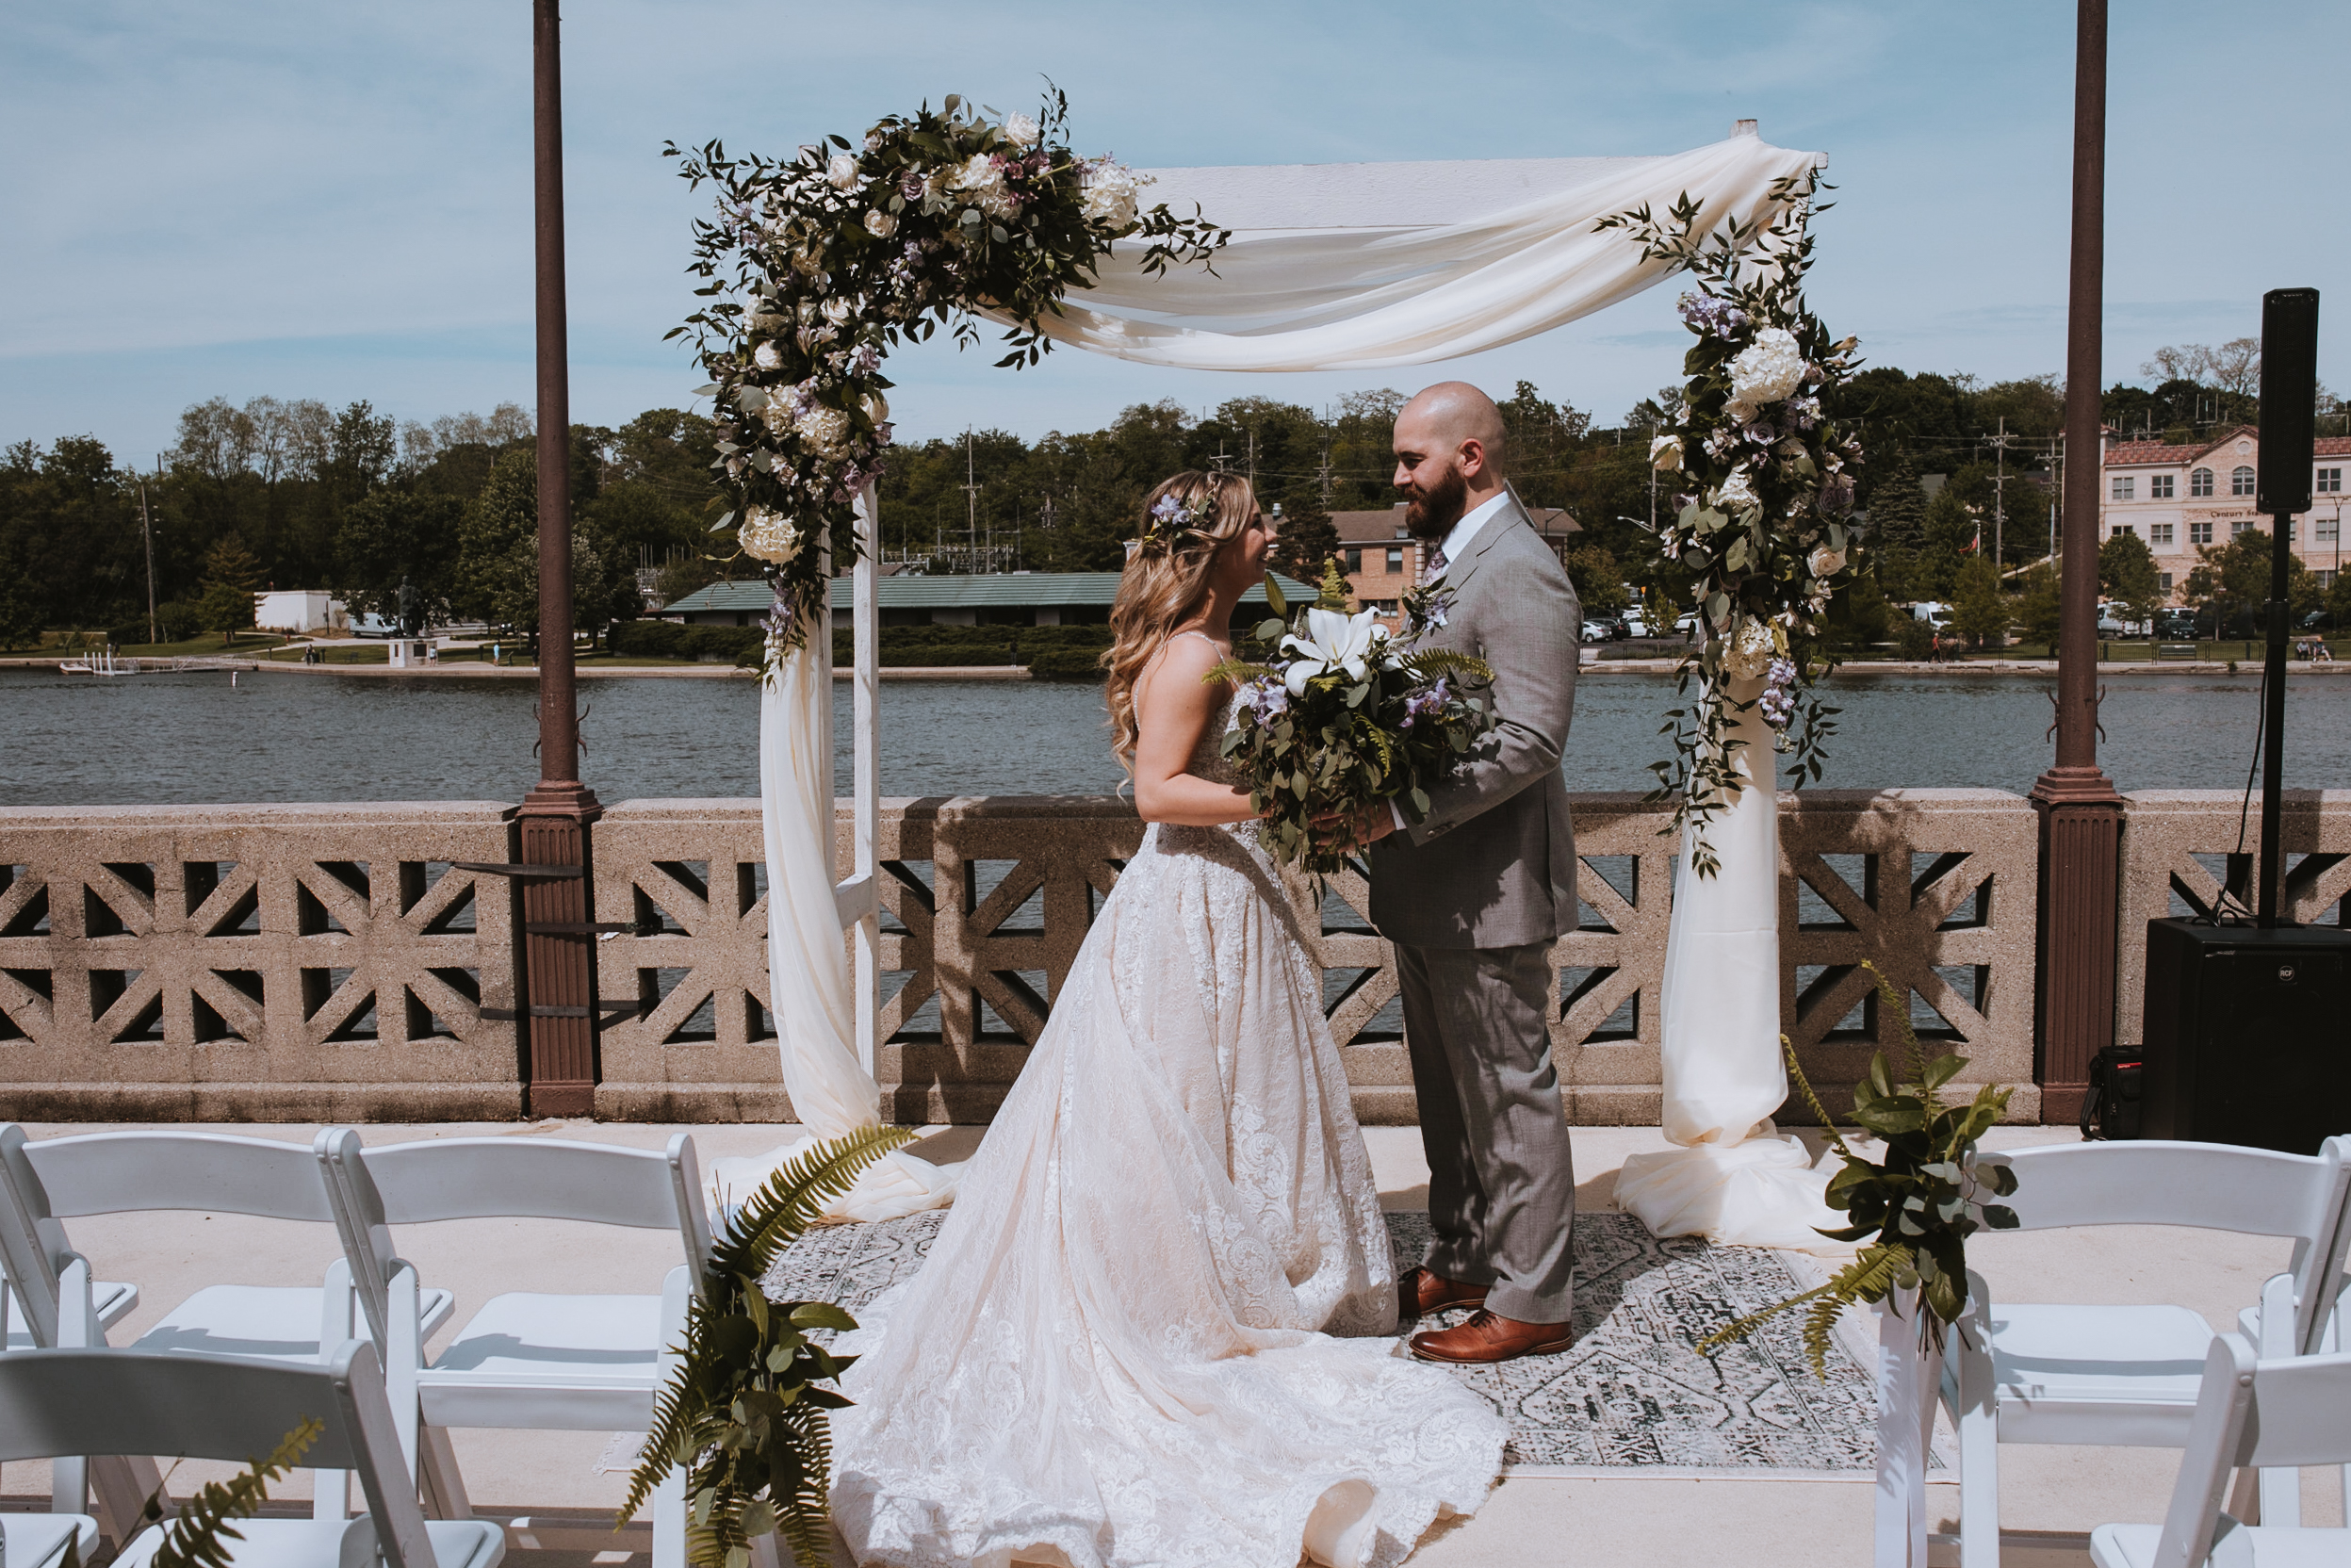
pixel 1472 897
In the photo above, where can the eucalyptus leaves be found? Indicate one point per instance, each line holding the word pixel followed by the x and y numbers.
pixel 1762 525
pixel 1921 1200
pixel 818 265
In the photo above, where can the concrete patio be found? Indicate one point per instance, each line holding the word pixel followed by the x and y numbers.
pixel 557 1488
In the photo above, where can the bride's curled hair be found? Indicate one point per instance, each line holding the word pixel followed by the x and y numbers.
pixel 1185 521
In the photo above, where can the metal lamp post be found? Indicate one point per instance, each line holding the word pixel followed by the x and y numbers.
pixel 2080 813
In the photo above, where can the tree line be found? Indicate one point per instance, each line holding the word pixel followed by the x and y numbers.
pixel 294 495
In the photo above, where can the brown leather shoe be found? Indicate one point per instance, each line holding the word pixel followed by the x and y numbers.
pixel 1489 1337
pixel 1423 1290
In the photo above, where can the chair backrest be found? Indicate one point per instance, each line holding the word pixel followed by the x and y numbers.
pixel 47 1182
pixel 139 1402
pixel 498 1178
pixel 2212 1186
pixel 2272 1414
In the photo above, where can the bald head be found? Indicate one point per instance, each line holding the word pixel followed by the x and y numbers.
pixel 1448 455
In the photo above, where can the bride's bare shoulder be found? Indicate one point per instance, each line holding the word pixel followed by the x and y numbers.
pixel 1175 678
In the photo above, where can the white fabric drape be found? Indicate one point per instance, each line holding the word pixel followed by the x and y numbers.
pixel 807 964
pixel 1406 293
pixel 1734 1179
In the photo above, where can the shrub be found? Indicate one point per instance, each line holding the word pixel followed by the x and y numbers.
pixel 1066 664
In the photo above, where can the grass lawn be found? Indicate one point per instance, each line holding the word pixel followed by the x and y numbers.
pixel 248 644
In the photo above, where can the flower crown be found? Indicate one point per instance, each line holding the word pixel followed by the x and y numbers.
pixel 1169 519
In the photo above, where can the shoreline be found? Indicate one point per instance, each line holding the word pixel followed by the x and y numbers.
pixel 2247 669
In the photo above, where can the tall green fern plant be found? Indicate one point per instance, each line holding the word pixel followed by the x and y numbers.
pixel 744 1412
pixel 1921 1201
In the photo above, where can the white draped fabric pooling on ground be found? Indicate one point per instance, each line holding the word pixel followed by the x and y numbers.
pixel 1331 266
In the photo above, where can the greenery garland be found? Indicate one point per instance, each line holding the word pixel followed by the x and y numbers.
pixel 1921 1201
pixel 818 265
pixel 1763 525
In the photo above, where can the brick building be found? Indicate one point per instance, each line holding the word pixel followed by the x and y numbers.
pixel 2179 497
pixel 1382 560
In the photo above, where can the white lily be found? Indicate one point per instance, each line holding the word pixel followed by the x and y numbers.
pixel 1332 641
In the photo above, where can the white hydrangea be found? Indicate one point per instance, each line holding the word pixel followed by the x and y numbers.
pixel 826 429
pixel 1738 493
pixel 1021 131
pixel 1665 453
pixel 767 534
pixel 1752 647
pixel 1765 372
pixel 1112 194
pixel 881 225
pixel 841 172
pixel 978 172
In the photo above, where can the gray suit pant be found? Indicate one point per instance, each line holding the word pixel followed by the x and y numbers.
pixel 1501 1178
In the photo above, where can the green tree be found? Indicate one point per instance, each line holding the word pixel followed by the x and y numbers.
pixel 2042 612
pixel 393 537
pixel 1308 539
pixel 1979 612
pixel 1951 532
pixel 2231 582
pixel 594 601
pixel 504 514
pixel 2125 571
pixel 231 575
pixel 1599 580
pixel 1898 512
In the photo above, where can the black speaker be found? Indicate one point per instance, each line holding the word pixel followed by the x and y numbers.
pixel 2248 1035
pixel 2288 394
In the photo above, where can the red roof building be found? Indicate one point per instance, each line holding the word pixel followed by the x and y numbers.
pixel 2180 499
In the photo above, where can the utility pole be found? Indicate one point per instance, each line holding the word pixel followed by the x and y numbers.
pixel 1653 481
pixel 1999 499
pixel 146 527
pixel 1220 463
pixel 971 505
pixel 1322 474
pixel 1253 460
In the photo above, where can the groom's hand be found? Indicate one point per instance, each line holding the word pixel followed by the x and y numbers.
pixel 1355 829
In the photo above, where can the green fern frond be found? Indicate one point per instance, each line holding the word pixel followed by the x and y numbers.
pixel 1239 670
pixel 1812 1101
pixel 790 1201
pixel 1467 667
pixel 194 1540
pixel 1739 1328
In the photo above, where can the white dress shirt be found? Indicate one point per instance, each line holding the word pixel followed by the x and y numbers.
pixel 1465 533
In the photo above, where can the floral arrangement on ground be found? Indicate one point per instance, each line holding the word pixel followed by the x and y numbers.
pixel 1921 1201
pixel 1762 524
pixel 816 265
pixel 1341 716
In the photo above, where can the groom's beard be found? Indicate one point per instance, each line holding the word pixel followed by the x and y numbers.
pixel 1433 513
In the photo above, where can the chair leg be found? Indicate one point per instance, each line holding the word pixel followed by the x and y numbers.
pixel 1978 1420
pixel 444 1487
pixel 669 1520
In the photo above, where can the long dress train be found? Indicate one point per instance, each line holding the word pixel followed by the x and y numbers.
pixel 1120 1351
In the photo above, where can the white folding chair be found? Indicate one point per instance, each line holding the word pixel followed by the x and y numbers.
pixel 62 1403
pixel 38 1540
pixel 2254 1413
pixel 572 1363
pixel 2129 1376
pixel 112 1299
pixel 44 1183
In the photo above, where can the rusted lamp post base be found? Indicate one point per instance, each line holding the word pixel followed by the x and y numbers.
pixel 2081 900
pixel 558 951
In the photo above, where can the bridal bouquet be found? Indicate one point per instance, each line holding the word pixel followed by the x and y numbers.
pixel 818 264
pixel 1763 520
pixel 1342 716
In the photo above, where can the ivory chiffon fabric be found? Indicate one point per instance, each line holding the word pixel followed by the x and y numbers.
pixel 1150 1331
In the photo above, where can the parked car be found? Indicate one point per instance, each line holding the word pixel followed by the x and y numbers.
pixel 371 626
pixel 1595 632
pixel 1935 614
pixel 1636 623
pixel 1687 623
pixel 2175 625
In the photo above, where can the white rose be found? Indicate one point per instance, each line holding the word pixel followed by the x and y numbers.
pixel 880 224
pixel 1826 562
pixel 767 358
pixel 840 311
pixel 978 172
pixel 767 534
pixel 1020 131
pixel 1767 369
pixel 1665 453
pixel 841 172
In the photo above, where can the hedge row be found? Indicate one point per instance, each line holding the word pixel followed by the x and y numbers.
pixel 1053 652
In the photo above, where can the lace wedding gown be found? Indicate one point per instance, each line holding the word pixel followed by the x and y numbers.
pixel 1120 1350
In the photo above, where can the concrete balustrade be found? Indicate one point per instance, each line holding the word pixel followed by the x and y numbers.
pixel 326 962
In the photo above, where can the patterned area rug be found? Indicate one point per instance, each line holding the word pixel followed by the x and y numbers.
pixel 1631 1395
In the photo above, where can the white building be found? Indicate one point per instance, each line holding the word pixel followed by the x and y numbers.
pixel 2178 498
pixel 300 609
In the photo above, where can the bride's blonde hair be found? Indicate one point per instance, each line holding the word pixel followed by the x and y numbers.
pixel 1185 521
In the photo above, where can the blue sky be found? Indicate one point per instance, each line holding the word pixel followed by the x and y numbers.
pixel 214 198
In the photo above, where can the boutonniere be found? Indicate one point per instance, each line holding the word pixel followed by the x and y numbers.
pixel 1425 608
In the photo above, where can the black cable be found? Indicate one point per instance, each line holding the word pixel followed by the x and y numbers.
pixel 2245 807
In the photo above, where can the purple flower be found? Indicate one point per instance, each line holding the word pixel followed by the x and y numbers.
pixel 1265 699
pixel 1836 497
pixel 1762 432
pixel 1778 700
pixel 910 185
pixel 1429 701
pixel 1708 313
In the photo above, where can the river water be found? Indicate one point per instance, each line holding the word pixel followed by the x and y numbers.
pixel 195 737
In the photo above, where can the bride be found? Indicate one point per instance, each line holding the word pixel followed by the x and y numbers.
pixel 1152 1329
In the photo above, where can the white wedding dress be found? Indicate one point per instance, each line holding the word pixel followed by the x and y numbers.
pixel 1120 1350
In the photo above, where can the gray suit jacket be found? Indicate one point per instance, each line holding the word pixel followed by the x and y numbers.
pixel 1494 863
